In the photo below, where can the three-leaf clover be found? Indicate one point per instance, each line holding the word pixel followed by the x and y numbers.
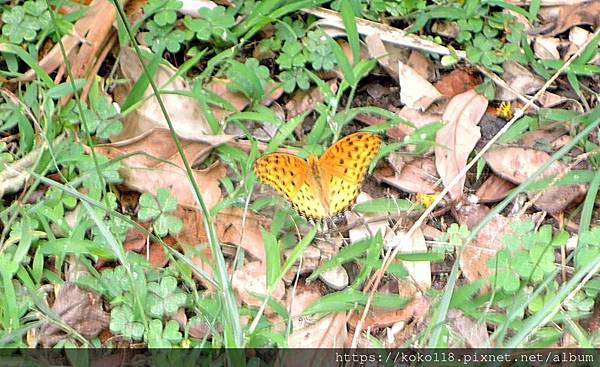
pixel 291 56
pixel 158 209
pixel 165 11
pixel 164 37
pixel 158 337
pixel 123 322
pixel 212 22
pixel 291 78
pixel 321 54
pixel 102 118
pixel 289 30
pixel 503 276
pixel 164 298
pixel 23 22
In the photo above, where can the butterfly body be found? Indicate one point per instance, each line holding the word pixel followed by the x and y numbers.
pixel 324 187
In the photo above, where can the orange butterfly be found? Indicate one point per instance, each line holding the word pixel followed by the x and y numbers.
pixel 321 188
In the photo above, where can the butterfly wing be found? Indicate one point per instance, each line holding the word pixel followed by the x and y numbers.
pixel 344 166
pixel 288 175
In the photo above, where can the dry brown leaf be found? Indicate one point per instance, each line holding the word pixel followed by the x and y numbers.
pixel 518 164
pixel 91 32
pixel 473 333
pixel 148 172
pixel 415 117
pixel 471 214
pixel 457 81
pixel 520 79
pixel 458 137
pixel 541 137
pixel 566 16
pixel 302 101
pixel 415 91
pixel 420 63
pixel 445 29
pixel 80 309
pixel 230 230
pixel 386 56
pixel 385 317
pixel 417 176
pixel 493 189
pixel 251 280
pixel 184 112
pixel 473 261
pixel 311 331
pixel 546 48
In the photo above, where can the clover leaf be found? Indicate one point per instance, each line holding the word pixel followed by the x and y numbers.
pixel 165 11
pixel 158 337
pixel 158 209
pixel 291 56
pixel 212 23
pixel 123 322
pixel 17 27
pixel 164 37
pixel 291 78
pixel 164 298
pixel 320 52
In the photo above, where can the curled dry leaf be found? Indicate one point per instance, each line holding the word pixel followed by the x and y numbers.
pixel 387 56
pixel 415 91
pixel 458 137
pixel 420 63
pixel 90 34
pixel 546 48
pixel 219 86
pixel 415 117
pixel 520 79
pixel 493 189
pixel 229 224
pixel 184 111
pixel 541 137
pixel 416 176
pixel 517 164
pixel 149 170
pixel 470 214
pixel 80 309
pixel 242 229
pixel 457 81
pixel 154 252
pixel 250 281
pixel 566 16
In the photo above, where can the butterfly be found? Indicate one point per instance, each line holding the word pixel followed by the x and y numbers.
pixel 325 187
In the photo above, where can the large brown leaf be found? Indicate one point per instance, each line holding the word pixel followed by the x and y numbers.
pixel 517 164
pixel 458 137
